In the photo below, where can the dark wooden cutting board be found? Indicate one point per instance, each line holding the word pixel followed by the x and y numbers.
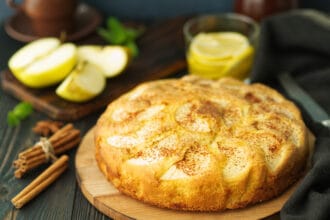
pixel 161 55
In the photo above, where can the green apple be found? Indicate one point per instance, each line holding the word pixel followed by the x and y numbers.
pixel 43 62
pixel 85 82
pixel 112 60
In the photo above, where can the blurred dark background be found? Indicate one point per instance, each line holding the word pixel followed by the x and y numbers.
pixel 161 9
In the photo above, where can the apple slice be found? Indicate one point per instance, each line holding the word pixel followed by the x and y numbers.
pixel 84 83
pixel 43 62
pixel 112 60
pixel 32 51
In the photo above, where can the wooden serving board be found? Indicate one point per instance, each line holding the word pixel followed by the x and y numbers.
pixel 161 55
pixel 108 200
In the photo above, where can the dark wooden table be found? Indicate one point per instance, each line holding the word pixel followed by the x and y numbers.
pixel 63 199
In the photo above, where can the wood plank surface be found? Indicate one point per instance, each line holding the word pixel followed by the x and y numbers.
pixel 107 199
pixel 161 55
pixel 58 196
pixel 62 199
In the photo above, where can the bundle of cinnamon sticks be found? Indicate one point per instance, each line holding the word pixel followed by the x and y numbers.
pixel 46 149
pixel 62 140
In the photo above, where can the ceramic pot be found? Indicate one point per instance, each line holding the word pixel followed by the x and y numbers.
pixel 48 18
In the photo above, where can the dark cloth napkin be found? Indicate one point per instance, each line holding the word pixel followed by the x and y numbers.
pixel 299 42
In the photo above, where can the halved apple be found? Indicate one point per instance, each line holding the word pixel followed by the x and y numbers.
pixel 84 83
pixel 112 60
pixel 43 62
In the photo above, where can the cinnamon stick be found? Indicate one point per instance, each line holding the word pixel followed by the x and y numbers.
pixel 47 127
pixel 41 182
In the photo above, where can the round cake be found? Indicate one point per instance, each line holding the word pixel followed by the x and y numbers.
pixel 201 145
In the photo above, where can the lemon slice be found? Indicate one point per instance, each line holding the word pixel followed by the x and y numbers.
pixel 218 45
pixel 241 65
pixel 43 62
pixel 112 60
pixel 85 82
pixel 218 54
pixel 206 69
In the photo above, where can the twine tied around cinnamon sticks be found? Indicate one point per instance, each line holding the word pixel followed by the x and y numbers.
pixel 64 139
pixel 48 149
pixel 44 150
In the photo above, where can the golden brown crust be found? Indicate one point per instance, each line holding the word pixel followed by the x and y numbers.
pixel 195 144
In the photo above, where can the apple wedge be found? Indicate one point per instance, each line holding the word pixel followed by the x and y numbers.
pixel 84 83
pixel 43 62
pixel 112 60
pixel 32 51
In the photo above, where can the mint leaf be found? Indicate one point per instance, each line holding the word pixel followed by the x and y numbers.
pixel 20 112
pixel 117 37
pixel 114 24
pixel 131 45
pixel 104 33
pixel 12 120
pixel 116 33
pixel 116 30
pixel 131 33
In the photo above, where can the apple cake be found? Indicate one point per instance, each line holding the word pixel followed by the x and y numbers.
pixel 201 145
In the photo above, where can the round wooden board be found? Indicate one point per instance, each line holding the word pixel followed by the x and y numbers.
pixel 107 199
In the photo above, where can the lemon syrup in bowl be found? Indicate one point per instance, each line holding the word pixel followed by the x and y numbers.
pixel 220 45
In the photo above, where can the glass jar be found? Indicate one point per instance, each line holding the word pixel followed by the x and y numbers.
pixel 203 37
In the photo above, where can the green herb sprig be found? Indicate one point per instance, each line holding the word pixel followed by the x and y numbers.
pixel 19 113
pixel 118 34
